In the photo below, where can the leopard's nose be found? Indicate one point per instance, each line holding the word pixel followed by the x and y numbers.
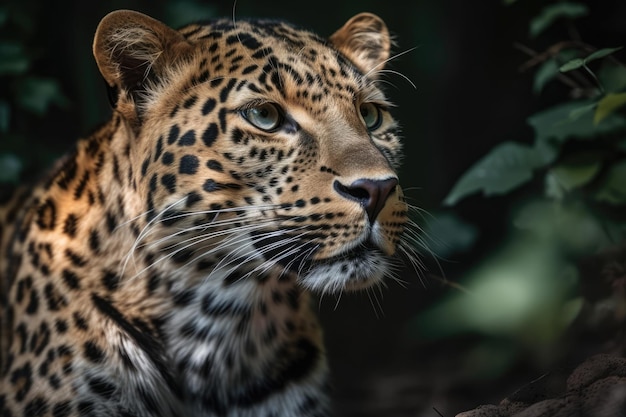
pixel 371 194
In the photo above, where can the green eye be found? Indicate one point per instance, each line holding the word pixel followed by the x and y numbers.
pixel 267 116
pixel 371 115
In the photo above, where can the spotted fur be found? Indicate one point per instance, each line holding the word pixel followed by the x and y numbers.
pixel 164 267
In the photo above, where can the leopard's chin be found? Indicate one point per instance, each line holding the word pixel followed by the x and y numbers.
pixel 357 269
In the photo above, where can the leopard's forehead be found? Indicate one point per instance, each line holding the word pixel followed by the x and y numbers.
pixel 254 33
pixel 279 55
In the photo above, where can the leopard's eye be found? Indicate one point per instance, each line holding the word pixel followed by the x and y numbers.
pixel 372 115
pixel 267 116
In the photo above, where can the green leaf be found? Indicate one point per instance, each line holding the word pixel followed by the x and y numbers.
pixel 572 120
pixel 546 72
pixel 572 65
pixel 12 58
pixel 506 167
pixel 581 62
pixel 608 105
pixel 553 12
pixel 37 94
pixel 601 53
pixel 570 176
pixel 613 190
pixel 577 113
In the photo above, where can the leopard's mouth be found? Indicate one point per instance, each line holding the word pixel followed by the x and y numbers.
pixel 359 252
pixel 361 266
pixel 297 253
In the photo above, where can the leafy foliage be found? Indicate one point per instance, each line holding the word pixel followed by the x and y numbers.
pixel 553 12
pixel 573 177
pixel 22 89
pixel 506 167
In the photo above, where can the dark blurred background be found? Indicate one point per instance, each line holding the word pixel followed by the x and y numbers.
pixel 469 95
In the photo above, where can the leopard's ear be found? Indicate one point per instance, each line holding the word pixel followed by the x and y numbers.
pixel 365 41
pixel 131 48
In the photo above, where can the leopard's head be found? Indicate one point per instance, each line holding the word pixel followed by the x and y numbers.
pixel 258 146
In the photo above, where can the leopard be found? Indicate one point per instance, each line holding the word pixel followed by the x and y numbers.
pixel 170 263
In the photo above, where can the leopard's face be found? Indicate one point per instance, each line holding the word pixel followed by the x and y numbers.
pixel 260 146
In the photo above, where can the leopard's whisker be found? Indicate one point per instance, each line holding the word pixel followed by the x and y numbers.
pixel 276 244
pixel 203 231
pixel 234 234
pixel 406 78
pixel 143 232
pixel 270 263
pixel 386 61
pixel 204 226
